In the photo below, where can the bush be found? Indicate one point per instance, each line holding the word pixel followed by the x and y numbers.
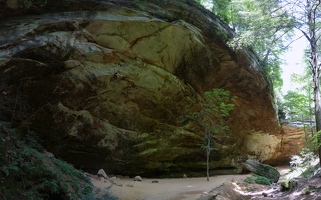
pixel 286 185
pixel 28 174
pixel 308 172
pixel 303 165
pixel 304 159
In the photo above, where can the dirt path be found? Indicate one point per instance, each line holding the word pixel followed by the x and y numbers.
pixel 165 189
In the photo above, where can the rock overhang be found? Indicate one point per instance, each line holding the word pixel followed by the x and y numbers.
pixel 113 84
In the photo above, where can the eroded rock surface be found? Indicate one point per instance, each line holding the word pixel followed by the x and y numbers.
pixel 291 141
pixel 105 83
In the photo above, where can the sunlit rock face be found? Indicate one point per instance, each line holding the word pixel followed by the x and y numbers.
pixel 293 139
pixel 104 85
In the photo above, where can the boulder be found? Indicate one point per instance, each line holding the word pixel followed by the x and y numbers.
pixel 102 173
pixel 138 178
pixel 113 179
pixel 262 170
pixel 227 191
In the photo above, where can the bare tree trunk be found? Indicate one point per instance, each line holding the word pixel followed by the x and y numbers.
pixel 317 101
pixel 318 111
pixel 316 81
pixel 208 151
pixel 312 8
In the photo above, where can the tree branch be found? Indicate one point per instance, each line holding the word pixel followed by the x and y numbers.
pixel 305 34
pixel 293 41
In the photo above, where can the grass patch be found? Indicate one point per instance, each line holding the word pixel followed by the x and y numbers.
pixel 258 179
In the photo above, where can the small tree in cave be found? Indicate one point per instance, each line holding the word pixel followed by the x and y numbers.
pixel 212 116
pixel 215 109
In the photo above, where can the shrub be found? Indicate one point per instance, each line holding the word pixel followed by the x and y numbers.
pixel 303 159
pixel 28 174
pixel 286 185
pixel 303 164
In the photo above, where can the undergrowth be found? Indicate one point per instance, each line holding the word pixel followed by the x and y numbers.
pixel 303 165
pixel 25 173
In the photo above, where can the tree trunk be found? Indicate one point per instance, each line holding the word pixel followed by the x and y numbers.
pixel 316 80
pixel 208 151
pixel 313 41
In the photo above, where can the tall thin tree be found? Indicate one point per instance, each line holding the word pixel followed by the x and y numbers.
pixel 308 14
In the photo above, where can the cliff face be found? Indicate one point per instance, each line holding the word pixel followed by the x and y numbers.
pixel 104 84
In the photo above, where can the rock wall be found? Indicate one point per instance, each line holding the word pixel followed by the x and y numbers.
pixel 293 139
pixel 104 84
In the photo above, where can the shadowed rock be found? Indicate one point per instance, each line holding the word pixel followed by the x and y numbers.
pixel 105 83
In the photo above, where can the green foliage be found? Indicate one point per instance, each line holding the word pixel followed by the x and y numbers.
pixel 289 184
pixel 211 116
pixel 298 103
pixel 308 172
pixel 258 179
pixel 224 10
pixel 215 109
pixel 305 158
pixel 265 26
pixel 218 100
pixel 306 191
pixel 315 142
pixel 310 189
pixel 213 112
pixel 302 165
pixel 28 174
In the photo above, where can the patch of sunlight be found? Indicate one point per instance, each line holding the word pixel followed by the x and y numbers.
pixel 297 171
pixel 293 174
pixel 296 193
pixel 284 170
pixel 245 193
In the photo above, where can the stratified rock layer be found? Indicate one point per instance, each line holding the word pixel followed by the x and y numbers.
pixel 106 89
pixel 293 140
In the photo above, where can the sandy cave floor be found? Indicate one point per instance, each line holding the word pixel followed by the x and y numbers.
pixel 165 189
pixel 168 189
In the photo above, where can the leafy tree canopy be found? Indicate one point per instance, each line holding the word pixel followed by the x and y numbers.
pixel 262 25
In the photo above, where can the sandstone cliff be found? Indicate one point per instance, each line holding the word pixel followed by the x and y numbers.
pixel 104 83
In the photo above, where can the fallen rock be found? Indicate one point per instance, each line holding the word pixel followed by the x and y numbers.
pixel 262 170
pixel 102 173
pixel 155 181
pixel 138 178
pixel 113 179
